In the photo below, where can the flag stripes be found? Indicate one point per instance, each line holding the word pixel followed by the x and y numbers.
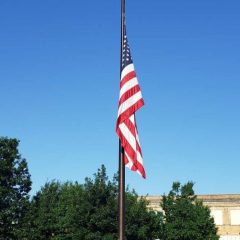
pixel 130 100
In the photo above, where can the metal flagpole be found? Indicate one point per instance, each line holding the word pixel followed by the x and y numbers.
pixel 121 181
pixel 121 196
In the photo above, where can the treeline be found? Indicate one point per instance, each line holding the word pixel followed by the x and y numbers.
pixel 89 211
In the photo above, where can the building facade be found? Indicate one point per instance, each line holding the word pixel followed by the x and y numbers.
pixel 225 210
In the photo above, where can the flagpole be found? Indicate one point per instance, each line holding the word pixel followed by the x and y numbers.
pixel 121 181
pixel 121 196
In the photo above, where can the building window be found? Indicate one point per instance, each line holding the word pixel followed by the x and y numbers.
pixel 217 216
pixel 235 216
pixel 229 237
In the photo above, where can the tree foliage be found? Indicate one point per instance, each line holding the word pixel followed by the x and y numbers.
pixel 15 185
pixel 185 217
pixel 89 211
pixel 72 211
pixel 141 222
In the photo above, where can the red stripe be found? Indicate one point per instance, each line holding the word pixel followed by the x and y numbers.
pixel 135 168
pixel 140 168
pixel 132 154
pixel 129 93
pixel 127 77
pixel 124 117
pixel 138 146
pixel 131 127
pixel 127 147
pixel 125 159
pixel 131 110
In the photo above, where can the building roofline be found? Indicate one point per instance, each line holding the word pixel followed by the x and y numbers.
pixel 204 197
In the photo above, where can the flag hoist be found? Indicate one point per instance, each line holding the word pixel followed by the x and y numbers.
pixel 130 100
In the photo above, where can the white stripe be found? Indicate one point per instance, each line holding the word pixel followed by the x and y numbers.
pixel 137 138
pixel 139 157
pixel 132 119
pixel 131 140
pixel 130 162
pixel 129 102
pixel 139 172
pixel 128 135
pixel 128 85
pixel 129 68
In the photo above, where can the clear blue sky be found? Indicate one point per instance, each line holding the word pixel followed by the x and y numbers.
pixel 59 85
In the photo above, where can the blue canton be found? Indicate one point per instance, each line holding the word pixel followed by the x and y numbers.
pixel 126 55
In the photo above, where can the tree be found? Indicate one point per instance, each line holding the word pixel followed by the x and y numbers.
pixel 54 212
pixel 72 211
pixel 100 195
pixel 15 184
pixel 185 217
pixel 141 223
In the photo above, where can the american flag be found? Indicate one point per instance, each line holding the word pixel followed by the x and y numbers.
pixel 130 100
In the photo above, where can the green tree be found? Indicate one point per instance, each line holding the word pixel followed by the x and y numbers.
pixel 141 223
pixel 71 211
pixel 15 185
pixel 100 195
pixel 43 214
pixel 55 212
pixel 185 217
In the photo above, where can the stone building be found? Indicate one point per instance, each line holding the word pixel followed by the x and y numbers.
pixel 225 210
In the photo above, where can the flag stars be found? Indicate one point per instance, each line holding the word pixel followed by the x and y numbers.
pixel 126 55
